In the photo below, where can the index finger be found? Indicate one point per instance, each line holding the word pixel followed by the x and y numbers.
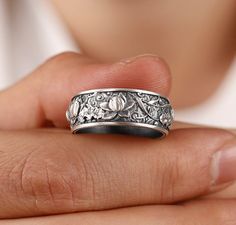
pixel 44 96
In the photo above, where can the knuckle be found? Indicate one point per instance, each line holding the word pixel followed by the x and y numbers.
pixel 47 187
pixel 173 177
pixel 56 65
pixel 169 178
pixel 62 57
pixel 53 181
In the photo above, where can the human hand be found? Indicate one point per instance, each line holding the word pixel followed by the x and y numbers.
pixel 204 212
pixel 49 171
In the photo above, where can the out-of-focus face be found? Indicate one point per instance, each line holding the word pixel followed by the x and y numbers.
pixel 196 37
pixel 110 29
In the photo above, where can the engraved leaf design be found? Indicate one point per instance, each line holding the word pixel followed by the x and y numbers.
pixel 152 102
pixel 109 115
pixel 74 109
pixel 104 105
pixel 68 116
pixel 130 103
pixel 142 106
pixel 124 113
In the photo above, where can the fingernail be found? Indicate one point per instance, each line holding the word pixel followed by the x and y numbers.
pixel 224 166
pixel 134 58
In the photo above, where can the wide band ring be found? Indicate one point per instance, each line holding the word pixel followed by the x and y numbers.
pixel 121 111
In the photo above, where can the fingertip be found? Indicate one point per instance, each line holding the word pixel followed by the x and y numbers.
pixel 151 73
pixel 147 72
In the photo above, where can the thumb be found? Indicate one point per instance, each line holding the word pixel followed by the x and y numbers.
pixel 43 97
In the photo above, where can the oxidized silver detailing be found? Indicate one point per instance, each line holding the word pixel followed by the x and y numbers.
pixel 120 110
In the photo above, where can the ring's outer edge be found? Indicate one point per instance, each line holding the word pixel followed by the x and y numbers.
pixel 97 124
pixel 118 89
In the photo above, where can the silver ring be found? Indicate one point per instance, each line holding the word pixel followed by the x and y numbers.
pixel 120 111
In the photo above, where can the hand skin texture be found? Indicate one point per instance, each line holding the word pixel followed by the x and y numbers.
pixel 45 170
pixel 192 213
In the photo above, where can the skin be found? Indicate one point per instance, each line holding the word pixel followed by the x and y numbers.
pixel 45 170
pixel 196 39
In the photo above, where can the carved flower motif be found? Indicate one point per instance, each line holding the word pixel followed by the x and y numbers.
pixel 117 105
pixel 154 111
pixel 166 119
pixel 88 113
pixel 73 110
pixel 85 113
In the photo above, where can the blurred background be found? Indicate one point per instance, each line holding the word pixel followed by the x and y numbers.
pixel 196 38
